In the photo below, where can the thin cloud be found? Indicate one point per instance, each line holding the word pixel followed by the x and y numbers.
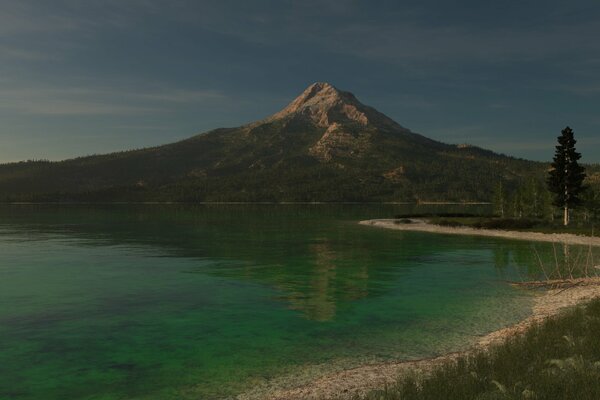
pixel 580 89
pixel 406 41
pixel 69 101
pixel 438 46
pixel 21 54
pixel 22 17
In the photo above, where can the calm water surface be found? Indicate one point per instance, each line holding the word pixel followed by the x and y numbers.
pixel 173 302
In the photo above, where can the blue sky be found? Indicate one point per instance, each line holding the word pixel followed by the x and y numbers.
pixel 80 77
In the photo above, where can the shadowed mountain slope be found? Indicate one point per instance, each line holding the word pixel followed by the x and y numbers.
pixel 324 146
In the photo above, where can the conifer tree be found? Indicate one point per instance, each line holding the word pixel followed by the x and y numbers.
pixel 499 200
pixel 566 177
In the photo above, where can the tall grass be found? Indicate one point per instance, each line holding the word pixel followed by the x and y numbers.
pixel 559 359
pixel 569 264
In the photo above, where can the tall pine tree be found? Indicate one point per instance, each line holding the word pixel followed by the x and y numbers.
pixel 566 177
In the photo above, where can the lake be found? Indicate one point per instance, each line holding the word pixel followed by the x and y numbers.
pixel 203 302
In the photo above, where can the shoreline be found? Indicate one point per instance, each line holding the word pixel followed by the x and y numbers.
pixel 358 381
pixel 421 226
pixel 347 384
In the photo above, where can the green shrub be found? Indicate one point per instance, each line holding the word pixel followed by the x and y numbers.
pixel 506 224
pixel 449 223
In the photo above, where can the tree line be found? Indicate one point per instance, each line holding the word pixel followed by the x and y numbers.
pixel 565 189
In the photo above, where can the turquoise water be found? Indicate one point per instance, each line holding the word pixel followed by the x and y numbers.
pixel 173 302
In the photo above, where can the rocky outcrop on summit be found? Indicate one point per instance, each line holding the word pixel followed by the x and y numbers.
pixel 325 105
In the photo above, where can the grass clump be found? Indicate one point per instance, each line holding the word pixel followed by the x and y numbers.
pixel 559 359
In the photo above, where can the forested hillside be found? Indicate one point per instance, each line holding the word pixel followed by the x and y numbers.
pixel 324 146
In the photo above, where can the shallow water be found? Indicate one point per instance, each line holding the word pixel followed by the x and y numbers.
pixel 173 302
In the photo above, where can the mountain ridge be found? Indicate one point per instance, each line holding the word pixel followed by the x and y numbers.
pixel 325 145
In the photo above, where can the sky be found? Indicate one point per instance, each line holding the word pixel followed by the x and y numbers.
pixel 80 77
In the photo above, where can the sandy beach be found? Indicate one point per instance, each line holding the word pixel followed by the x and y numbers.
pixel 418 225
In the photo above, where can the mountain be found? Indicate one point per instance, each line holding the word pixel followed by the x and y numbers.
pixel 324 146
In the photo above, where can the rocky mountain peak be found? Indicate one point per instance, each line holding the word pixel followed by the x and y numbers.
pixel 322 94
pixel 325 105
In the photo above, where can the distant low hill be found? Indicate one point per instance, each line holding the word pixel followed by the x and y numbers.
pixel 324 146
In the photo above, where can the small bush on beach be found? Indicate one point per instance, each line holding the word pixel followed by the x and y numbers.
pixel 559 359
pixel 506 224
pixel 450 223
